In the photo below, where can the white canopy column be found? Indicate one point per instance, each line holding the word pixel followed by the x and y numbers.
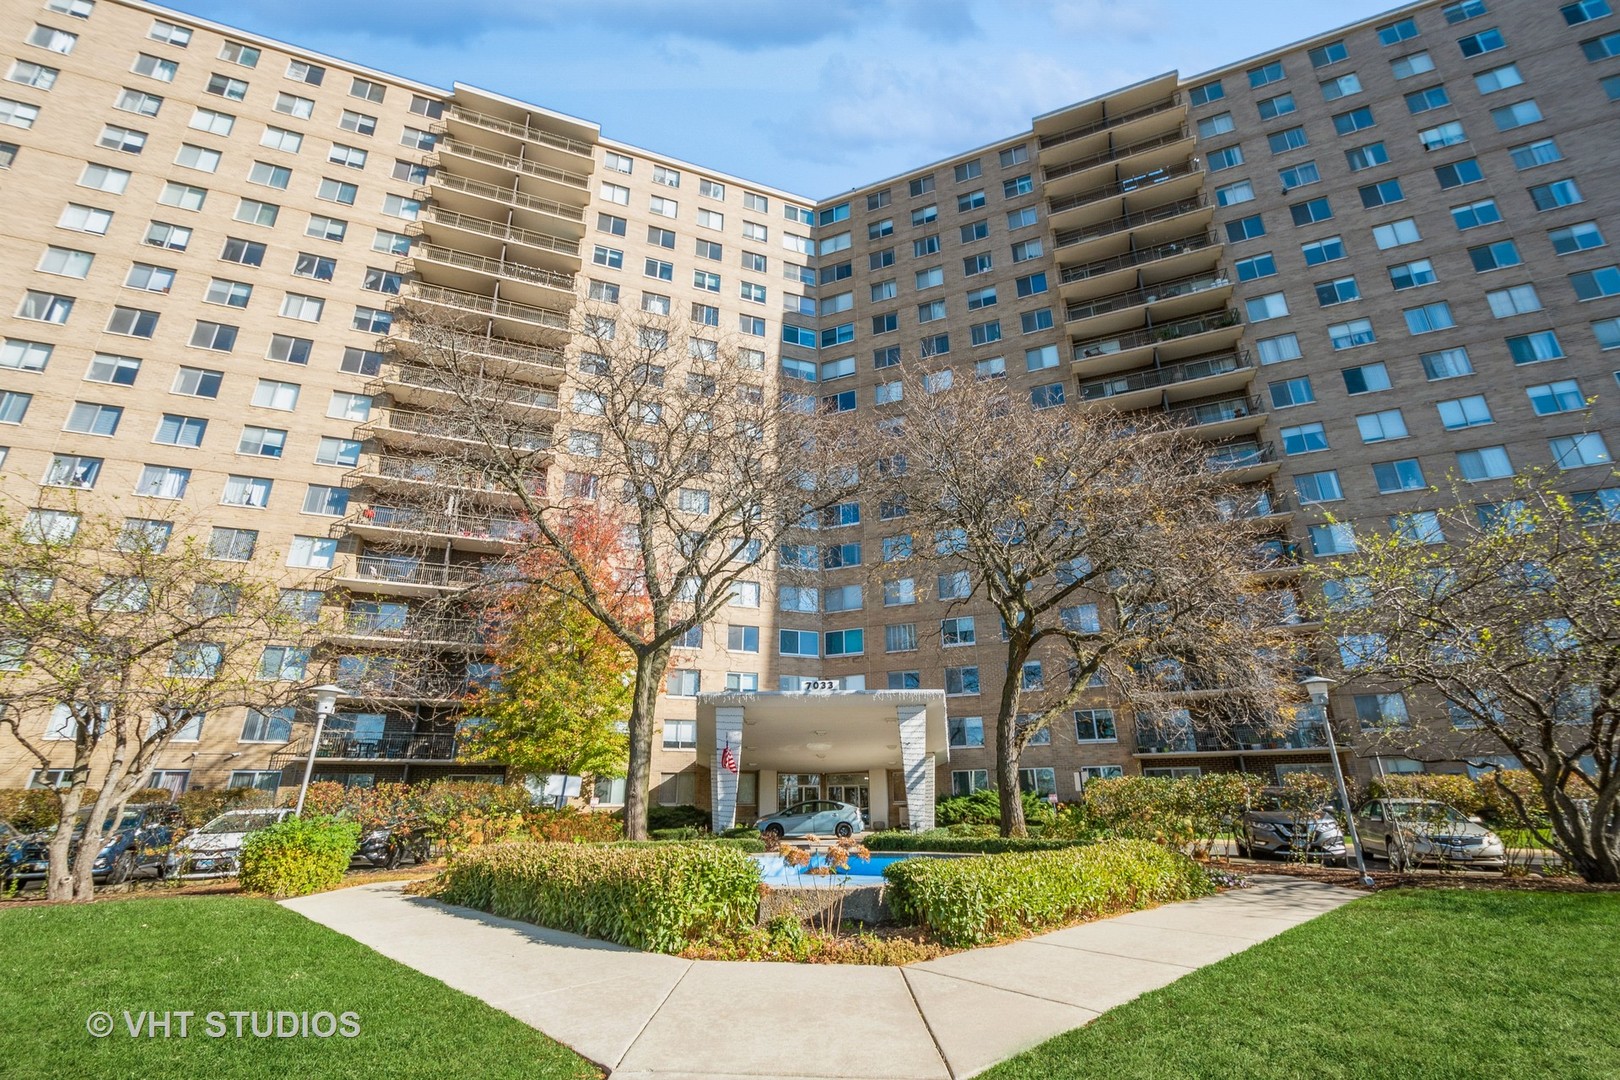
pixel 723 769
pixel 917 764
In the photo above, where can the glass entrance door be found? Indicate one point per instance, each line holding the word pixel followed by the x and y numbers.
pixel 851 788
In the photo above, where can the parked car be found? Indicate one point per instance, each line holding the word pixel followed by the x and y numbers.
pixel 818 818
pixel 390 848
pixel 1410 832
pixel 132 844
pixel 214 849
pixel 1274 827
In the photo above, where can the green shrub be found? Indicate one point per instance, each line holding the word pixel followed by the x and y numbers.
pixel 298 856
pixel 948 840
pixel 737 832
pixel 677 817
pixel 686 832
pixel 966 902
pixel 31 809
pixel 151 795
pixel 1178 813
pixel 655 896
pixel 983 807
pixel 200 806
pixel 740 843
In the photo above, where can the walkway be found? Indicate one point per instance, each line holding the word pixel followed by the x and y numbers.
pixel 651 1017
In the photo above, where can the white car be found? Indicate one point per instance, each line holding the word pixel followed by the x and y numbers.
pixel 215 849
pixel 1410 832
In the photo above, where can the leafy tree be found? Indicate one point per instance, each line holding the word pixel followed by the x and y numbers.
pixel 1510 631
pixel 1107 548
pixel 117 633
pixel 562 698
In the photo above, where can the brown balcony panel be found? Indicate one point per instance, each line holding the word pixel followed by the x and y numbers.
pixel 500 310
pixel 438 218
pixel 532 361
pixel 1133 221
pixel 445 187
pixel 415 384
pixel 425 257
pixel 1190 285
pixel 1070 177
pixel 404 575
pixel 1147 182
pixel 1130 260
pixel 1207 333
pixel 1193 378
pixel 1050 142
pixel 517 129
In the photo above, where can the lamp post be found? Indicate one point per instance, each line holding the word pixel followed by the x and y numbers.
pixel 325 704
pixel 1317 687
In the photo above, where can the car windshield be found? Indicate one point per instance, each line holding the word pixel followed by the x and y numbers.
pixel 129 819
pixel 1426 811
pixel 239 821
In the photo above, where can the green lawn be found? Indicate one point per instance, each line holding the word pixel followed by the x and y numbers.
pixel 1403 985
pixel 231 953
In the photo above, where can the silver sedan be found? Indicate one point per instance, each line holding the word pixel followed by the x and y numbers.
pixel 818 818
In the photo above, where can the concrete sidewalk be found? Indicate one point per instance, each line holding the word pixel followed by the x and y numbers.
pixel 646 1016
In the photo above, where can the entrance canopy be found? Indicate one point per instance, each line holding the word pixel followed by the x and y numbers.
pixel 823 731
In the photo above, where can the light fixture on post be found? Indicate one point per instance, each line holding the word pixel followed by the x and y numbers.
pixel 326 697
pixel 1317 687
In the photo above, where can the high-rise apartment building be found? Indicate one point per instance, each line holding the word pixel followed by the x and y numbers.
pixel 1355 265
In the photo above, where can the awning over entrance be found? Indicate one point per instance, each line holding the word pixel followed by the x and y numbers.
pixel 822 731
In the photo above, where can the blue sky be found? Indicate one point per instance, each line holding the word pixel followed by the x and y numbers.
pixel 815 96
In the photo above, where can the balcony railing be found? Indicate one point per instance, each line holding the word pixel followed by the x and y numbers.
pixel 415 470
pixel 1127 186
pixel 1202 368
pixel 1130 221
pixel 442 181
pixel 495 229
pixel 1241 456
pixel 523 130
pixel 533 275
pixel 1252 505
pixel 484 305
pixel 410 627
pixel 427 378
pixel 388 747
pixel 414 520
pixel 1153 335
pixel 434 425
pixel 1166 290
pixel 1162 105
pixel 512 162
pixel 1166 250
pixel 1304 736
pixel 1278 555
pixel 477 345
pixel 410 570
pixel 1214 412
pixel 1115 154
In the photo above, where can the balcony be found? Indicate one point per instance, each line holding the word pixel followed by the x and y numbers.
pixel 414 428
pixel 518 318
pixel 417 474
pixel 1258 504
pixel 1062 180
pixel 1138 221
pixel 1244 462
pixel 1212 331
pixel 1194 378
pixel 445 188
pixel 1240 740
pixel 1166 183
pixel 473 156
pixel 414 629
pixel 1166 300
pixel 462 529
pixel 542 247
pixel 530 361
pixel 1220 419
pixel 463 269
pixel 405 575
pixel 1172 103
pixel 422 385
pixel 1278 558
pixel 403 747
pixel 1181 248
pixel 461 116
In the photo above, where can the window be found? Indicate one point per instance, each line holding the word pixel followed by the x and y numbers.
pixel 252 491
pixel 1459 173
pixel 1337 538
pixel 1381 426
pixel 961 681
pixel 315 553
pixel 1328 249
pixel 1273 107
pixel 164 482
pixel 1518 300
pixel 1318 487
pixel 303 308
pixel 1304 439
pixel 1206 93
pixel 1219 124
pixel 1465 412
pixel 1229 157
pixel 273 394
pixel 89 418
pixel 1418 63
pixel 1265 74
pixel 13 406
pixel 1556 194
pixel 1343 86
pixel 900 637
pixel 1601 48
pixel 681 682
pixel 1585 11
pixel 229 293
pixel 1347 123
pixel 1533 348
pixel 1291 392
pixel 138 102
pixel 1501 78
pixel 359 123
pixel 175 430
pixel 132 322
pixel 169 33
pixel 659 269
pixel 1483 42
pixel 1535 154
pixel 846 642
pixel 46 307
pixel 163 235
pixel 1396 234
pixel 57 41
pixel 262 442
pixel 1412 275
pixel 72 263
pixel 1447 134
pixel 1575 451
pixel 85 219
pixel 20 355
pixel 254 212
pixel 1595 284
pixel 1366 378
pixel 1395 476
pixel 1495 256
pixel 1256 266
pixel 1486 463
pixel 104 178
pixel 1608 333
pixel 1338 291
pixel 1270 306
pixel 1249 228
pixel 1365 157
pixel 1299 175
pixel 1232 194
pixel 966 732
pixel 1516 115
pixel 182 196
pixel 1276 350
pixel 1558 397
pixel 228 88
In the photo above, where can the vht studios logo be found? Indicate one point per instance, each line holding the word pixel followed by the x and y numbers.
pixel 236 1024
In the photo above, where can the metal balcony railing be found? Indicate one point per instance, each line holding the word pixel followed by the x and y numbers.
pixel 466 260
pixel 516 129
pixel 484 305
pixel 1126 187
pixel 412 520
pixel 1069 135
pixel 497 348
pixel 1154 335
pixel 409 570
pixel 427 378
pixel 1130 221
pixel 442 181
pixel 1304 736
pixel 438 215
pixel 1139 257
pixel 1164 290
pixel 1214 412
pixel 1203 368
pixel 1115 153
pixel 1241 456
pixel 387 747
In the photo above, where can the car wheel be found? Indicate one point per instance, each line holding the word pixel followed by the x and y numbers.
pixel 843 829
pixel 121 868
pixel 396 856
pixel 1244 848
pixel 774 831
pixel 1392 853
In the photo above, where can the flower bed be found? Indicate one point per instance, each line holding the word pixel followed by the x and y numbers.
pixel 975 901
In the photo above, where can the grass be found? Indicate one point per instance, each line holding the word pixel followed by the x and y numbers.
pixel 235 953
pixel 1416 984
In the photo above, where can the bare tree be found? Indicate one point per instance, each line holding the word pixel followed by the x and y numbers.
pixel 1508 616
pixel 676 431
pixel 1102 544
pixel 117 633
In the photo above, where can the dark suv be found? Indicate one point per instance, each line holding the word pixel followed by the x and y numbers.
pixel 133 843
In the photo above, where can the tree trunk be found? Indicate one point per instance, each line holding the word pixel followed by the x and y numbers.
pixel 58 872
pixel 1009 794
pixel 638 778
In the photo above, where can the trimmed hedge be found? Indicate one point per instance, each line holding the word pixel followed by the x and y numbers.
pixel 966 902
pixel 740 843
pixel 659 896
pixel 298 856
pixel 947 840
pixel 680 816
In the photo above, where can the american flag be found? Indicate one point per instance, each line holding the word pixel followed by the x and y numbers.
pixel 728 760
